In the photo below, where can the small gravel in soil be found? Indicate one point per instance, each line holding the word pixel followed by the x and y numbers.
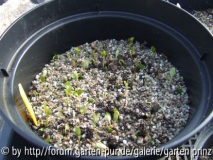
pixel 206 17
pixel 152 110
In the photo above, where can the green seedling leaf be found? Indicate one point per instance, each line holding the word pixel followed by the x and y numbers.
pixel 96 117
pixel 167 77
pixel 172 72
pixel 121 62
pixel 86 64
pixel 68 90
pixel 43 79
pixel 180 90
pixel 117 53
pixel 77 51
pixel 42 129
pixel 35 93
pixel 46 109
pixel 77 92
pixel 115 115
pixel 77 131
pixel 56 56
pixel 137 132
pixel 92 61
pixel 108 117
pixel 75 75
pixel 103 53
pixel 67 84
pixel 140 65
pixel 101 145
pixel 153 49
pixel 47 139
pixel 109 129
pixel 83 109
pixel 149 103
pixel 91 100
pixel 130 40
pixel 126 84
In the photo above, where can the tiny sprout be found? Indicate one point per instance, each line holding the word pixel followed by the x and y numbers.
pixel 172 72
pixel 67 84
pixel 47 112
pixel 46 109
pixel 140 65
pixel 126 84
pixel 91 100
pixel 130 40
pixel 83 109
pixel 67 128
pixel 109 129
pixel 77 51
pixel 96 118
pixel 167 77
pixel 104 57
pixel 43 79
pixel 86 64
pixel 108 117
pixel 117 53
pixel 121 62
pixel 56 56
pixel 68 89
pixel 35 93
pixel 47 139
pixel 42 129
pixel 180 90
pixel 101 145
pixel 77 131
pixel 77 92
pixel 153 49
pixel 137 132
pixel 115 115
pixel 75 75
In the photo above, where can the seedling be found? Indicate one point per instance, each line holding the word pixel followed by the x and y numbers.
pixel 115 115
pixel 108 117
pixel 130 41
pixel 76 51
pixel 77 93
pixel 75 77
pixel 83 109
pixel 47 112
pixel 86 64
pixel 126 89
pixel 166 76
pixel 122 63
pixel 68 90
pixel 56 56
pixel 104 58
pixel 35 93
pixel 95 120
pixel 43 76
pixel 67 128
pixel 47 139
pixel 140 65
pixel 77 131
pixel 180 90
pixel 109 129
pixel 100 145
pixel 42 129
pixel 153 49
pixel 172 72
pixel 117 53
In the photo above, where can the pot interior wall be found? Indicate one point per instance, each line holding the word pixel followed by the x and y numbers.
pixel 62 35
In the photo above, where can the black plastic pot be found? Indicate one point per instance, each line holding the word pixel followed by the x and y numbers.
pixel 194 4
pixel 57 25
